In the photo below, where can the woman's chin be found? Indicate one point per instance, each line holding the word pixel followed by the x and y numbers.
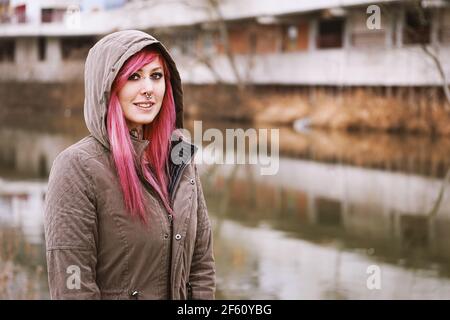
pixel 144 121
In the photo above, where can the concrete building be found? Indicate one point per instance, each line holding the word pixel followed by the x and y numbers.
pixel 325 43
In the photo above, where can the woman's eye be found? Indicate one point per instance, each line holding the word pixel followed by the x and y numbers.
pixel 157 75
pixel 153 76
pixel 134 76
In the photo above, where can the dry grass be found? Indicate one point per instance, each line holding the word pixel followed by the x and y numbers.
pixel 362 110
pixel 22 273
pixel 279 110
pixel 355 109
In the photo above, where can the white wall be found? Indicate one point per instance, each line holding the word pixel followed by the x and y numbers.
pixel 405 66
pixel 396 66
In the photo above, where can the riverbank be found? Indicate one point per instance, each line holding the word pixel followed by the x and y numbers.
pixel 385 109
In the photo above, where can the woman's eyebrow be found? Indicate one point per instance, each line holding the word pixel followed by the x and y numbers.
pixel 154 69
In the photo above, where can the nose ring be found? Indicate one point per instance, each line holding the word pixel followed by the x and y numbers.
pixel 148 96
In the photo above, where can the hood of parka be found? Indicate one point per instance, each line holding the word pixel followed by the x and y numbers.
pixel 103 63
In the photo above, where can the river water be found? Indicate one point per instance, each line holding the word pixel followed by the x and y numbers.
pixel 346 216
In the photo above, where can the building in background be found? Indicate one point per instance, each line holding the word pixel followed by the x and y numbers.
pixel 289 42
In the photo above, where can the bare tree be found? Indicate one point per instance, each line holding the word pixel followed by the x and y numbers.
pixel 430 49
pixel 217 22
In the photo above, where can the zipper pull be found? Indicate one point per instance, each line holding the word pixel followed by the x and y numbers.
pixel 189 290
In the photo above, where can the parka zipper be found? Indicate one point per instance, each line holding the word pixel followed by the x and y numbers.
pixel 170 217
pixel 177 182
pixel 189 290
pixel 169 281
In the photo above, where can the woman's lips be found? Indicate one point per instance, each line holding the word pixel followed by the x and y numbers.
pixel 144 105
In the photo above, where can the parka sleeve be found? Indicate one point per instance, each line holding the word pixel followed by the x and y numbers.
pixel 202 276
pixel 70 223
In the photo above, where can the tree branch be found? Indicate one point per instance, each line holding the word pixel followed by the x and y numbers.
pixel 438 64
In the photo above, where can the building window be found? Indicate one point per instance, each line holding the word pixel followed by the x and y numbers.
pixel 444 30
pixel 42 48
pixel 241 39
pixel 52 15
pixel 7 50
pixel 290 36
pixel 252 42
pixel 330 33
pixel 5 16
pixel 417 27
pixel 361 36
pixel 295 37
pixel 208 41
pixel 20 13
pixel 189 44
pixel 186 43
pixel 76 48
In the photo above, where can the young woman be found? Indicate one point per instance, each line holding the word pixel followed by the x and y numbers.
pixel 125 215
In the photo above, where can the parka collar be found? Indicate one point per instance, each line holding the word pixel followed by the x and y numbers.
pixel 186 150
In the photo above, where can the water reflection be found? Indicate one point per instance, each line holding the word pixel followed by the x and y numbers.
pixel 335 220
pixel 21 205
pixel 335 208
pixel 262 263
pixel 29 153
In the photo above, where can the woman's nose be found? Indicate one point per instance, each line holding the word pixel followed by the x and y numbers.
pixel 147 85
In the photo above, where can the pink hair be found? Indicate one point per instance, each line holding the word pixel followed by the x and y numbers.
pixel 154 163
